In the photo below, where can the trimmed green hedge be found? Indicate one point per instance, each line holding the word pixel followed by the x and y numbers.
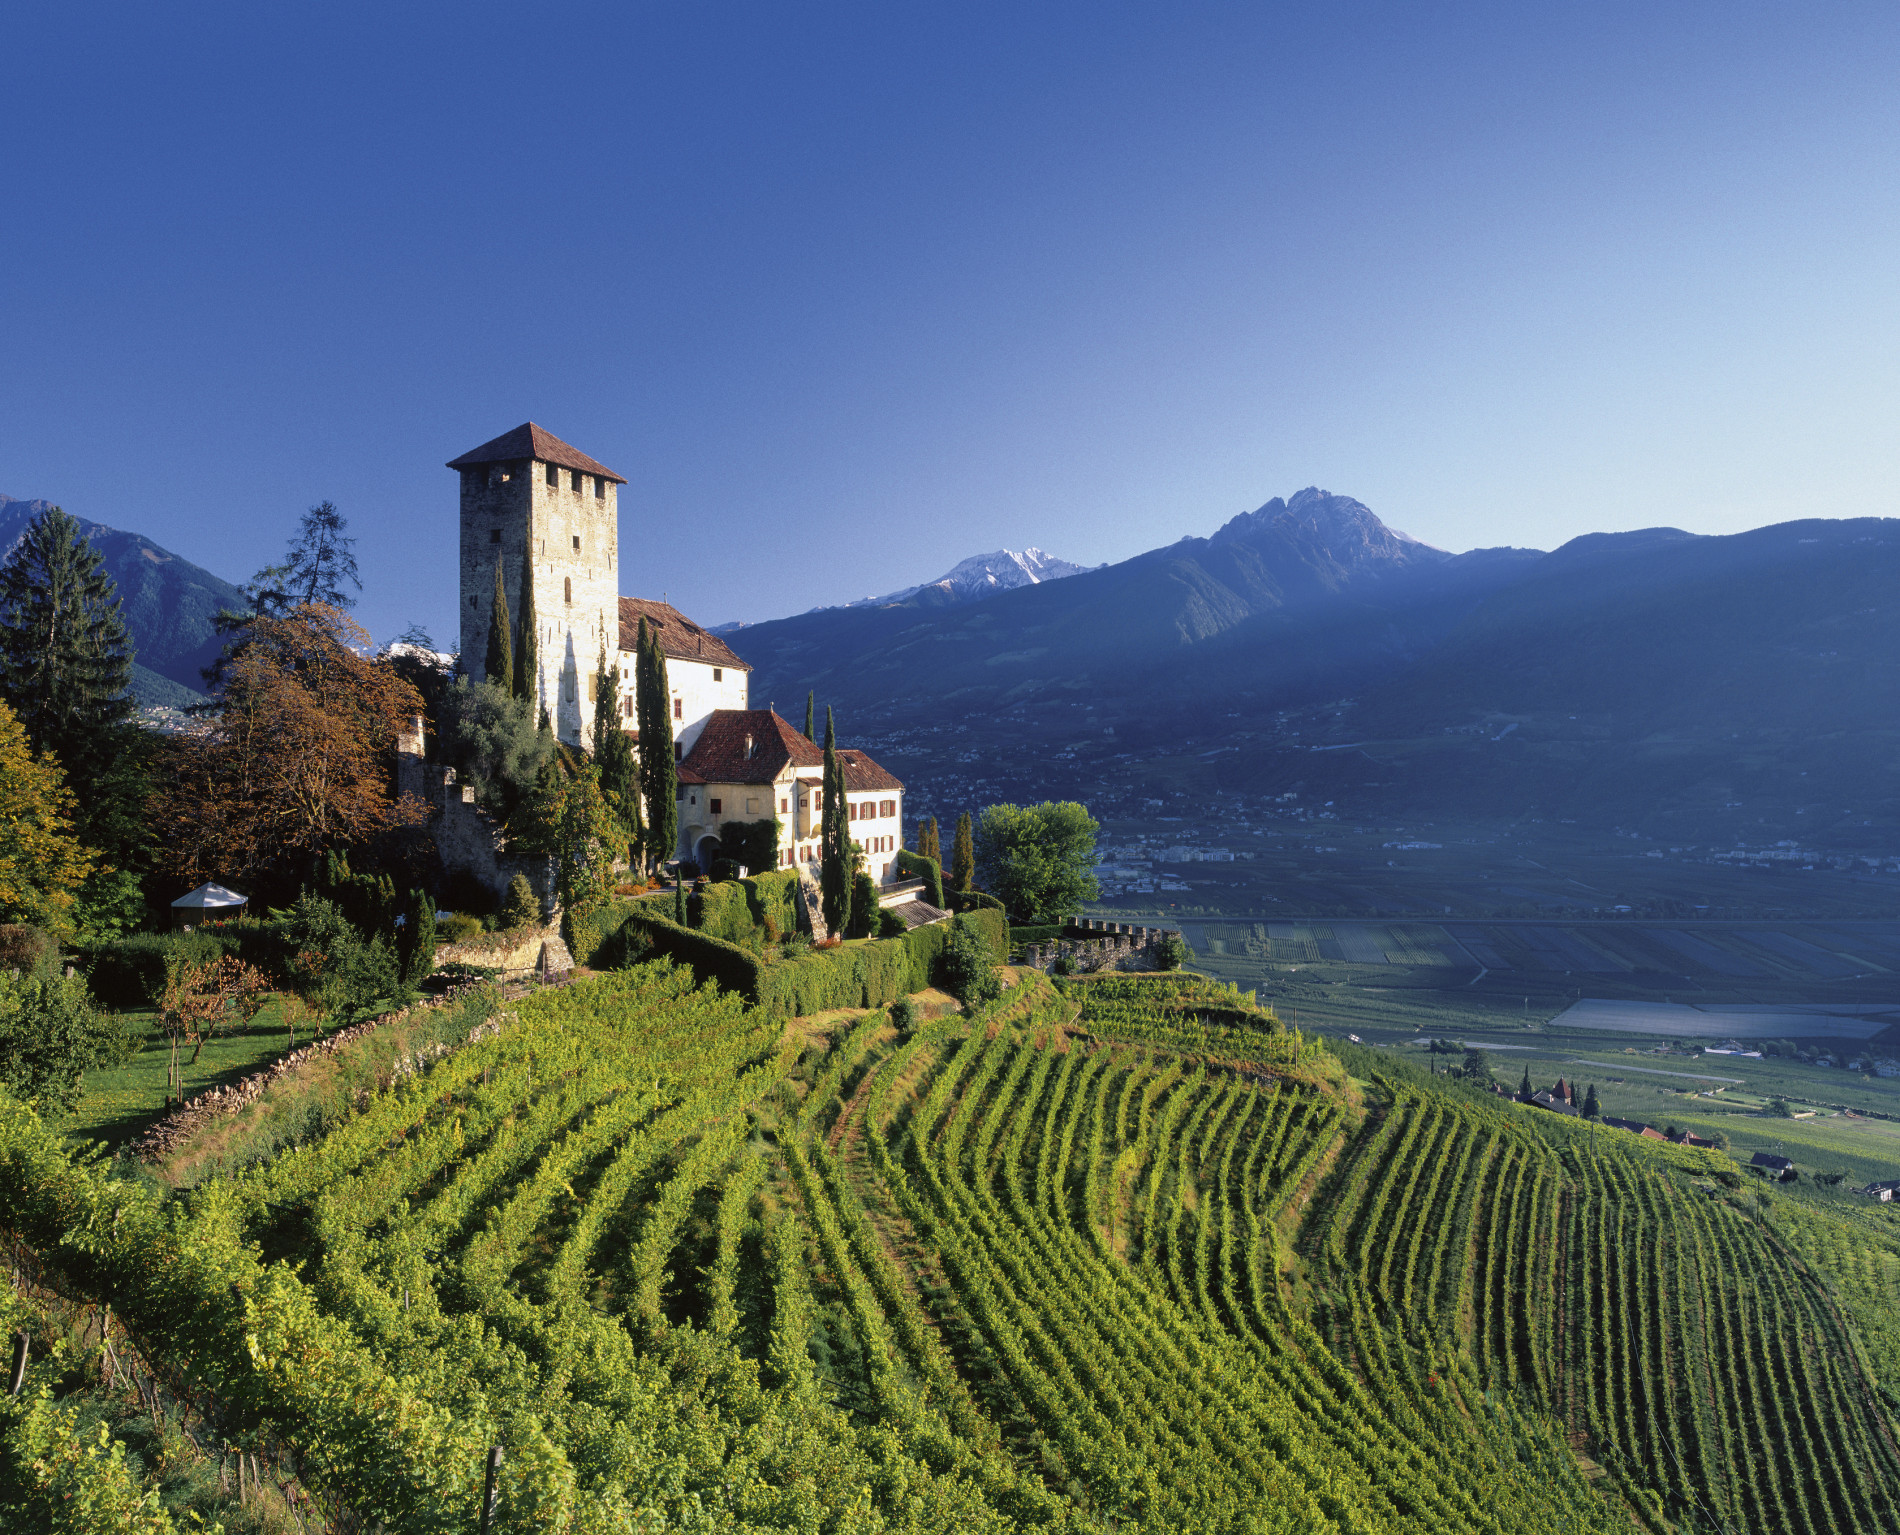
pixel 774 895
pixel 911 865
pixel 129 972
pixel 851 975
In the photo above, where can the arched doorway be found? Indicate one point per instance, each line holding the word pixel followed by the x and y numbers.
pixel 704 852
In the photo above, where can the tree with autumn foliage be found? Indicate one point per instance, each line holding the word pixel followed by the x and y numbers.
pixel 42 864
pixel 297 758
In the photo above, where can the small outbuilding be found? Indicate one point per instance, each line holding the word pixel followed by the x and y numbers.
pixel 208 903
pixel 1780 1168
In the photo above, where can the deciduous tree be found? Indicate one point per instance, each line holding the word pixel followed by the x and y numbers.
pixel 41 861
pixel 1038 860
pixel 296 758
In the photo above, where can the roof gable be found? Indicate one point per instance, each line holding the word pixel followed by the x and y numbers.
pixel 680 637
pixel 747 746
pixel 531 441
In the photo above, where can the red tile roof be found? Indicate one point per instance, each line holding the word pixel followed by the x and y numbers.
pixel 860 772
pixel 531 441
pixel 720 754
pixel 680 637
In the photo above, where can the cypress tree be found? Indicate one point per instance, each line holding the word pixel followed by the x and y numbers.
pixel 658 775
pixel 834 869
pixel 527 661
pixel 811 703
pixel 1524 1088
pixel 613 754
pixel 927 843
pixel 416 946
pixel 500 665
pixel 963 856
pixel 1590 1109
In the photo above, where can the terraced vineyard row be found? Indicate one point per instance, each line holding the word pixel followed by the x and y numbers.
pixel 1123 1256
pixel 1619 1285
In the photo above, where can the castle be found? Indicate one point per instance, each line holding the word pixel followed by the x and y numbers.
pixel 542 518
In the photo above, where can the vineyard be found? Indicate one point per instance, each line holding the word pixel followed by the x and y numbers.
pixel 1121 1256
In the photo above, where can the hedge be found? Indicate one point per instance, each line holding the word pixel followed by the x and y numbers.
pixel 129 972
pixel 911 865
pixel 851 975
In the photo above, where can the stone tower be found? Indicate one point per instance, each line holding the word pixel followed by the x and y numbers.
pixel 542 508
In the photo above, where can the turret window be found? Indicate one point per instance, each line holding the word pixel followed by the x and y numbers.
pixel 567 588
pixel 577 542
pixel 600 487
pixel 494 535
pixel 578 478
pixel 554 475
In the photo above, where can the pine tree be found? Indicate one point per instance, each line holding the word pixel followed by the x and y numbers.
pixel 65 669
pixel 500 665
pixel 613 755
pixel 834 869
pixel 927 843
pixel 65 656
pixel 527 659
pixel 811 704
pixel 320 559
pixel 658 776
pixel 963 856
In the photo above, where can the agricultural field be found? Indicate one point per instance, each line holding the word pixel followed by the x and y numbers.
pixel 1126 1254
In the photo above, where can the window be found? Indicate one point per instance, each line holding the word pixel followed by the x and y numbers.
pixel 471 602
pixel 600 487
pixel 679 709
pixel 626 708
pixel 751 805
pixel 579 479
pixel 889 807
pixel 577 543
pixel 784 806
pixel 718 674
pixel 851 810
pixel 714 805
pixel 567 588
pixel 679 752
pixel 494 535
pixel 554 475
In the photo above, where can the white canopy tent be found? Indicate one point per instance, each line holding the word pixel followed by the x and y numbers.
pixel 208 903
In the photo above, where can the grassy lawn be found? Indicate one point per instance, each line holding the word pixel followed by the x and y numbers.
pixel 118 1104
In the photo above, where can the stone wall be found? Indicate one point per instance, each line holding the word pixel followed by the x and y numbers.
pixel 467 838
pixel 1090 944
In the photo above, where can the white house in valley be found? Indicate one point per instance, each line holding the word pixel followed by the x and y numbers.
pixel 542 518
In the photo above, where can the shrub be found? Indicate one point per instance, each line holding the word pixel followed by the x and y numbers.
pixel 725 869
pixel 903 1015
pixel 520 907
pixel 864 907
pixel 911 865
pixel 459 927
pixel 28 950
pixel 889 924
pixel 50 1036
pixel 972 900
pixel 753 844
pixel 774 897
pixel 969 967
pixel 1171 951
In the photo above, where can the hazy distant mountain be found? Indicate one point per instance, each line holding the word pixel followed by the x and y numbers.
pixel 168 603
pixel 1647 673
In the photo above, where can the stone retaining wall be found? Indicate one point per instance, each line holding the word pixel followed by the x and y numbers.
pixel 1091 944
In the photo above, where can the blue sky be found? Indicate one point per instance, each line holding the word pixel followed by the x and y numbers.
pixel 851 292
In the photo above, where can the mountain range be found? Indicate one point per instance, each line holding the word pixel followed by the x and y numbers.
pixel 971 580
pixel 168 603
pixel 1641 675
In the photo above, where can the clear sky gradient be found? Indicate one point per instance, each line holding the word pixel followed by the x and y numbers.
pixel 849 293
